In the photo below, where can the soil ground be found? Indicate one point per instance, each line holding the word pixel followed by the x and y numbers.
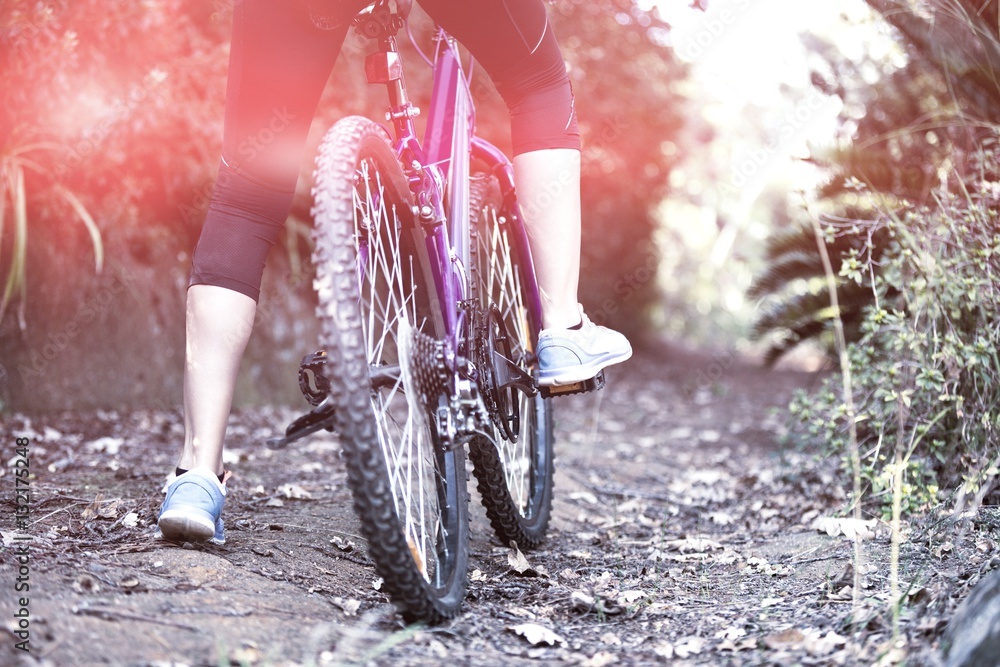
pixel 683 533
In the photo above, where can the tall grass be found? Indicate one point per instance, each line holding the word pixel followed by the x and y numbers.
pixel 14 196
pixel 915 413
pixel 851 417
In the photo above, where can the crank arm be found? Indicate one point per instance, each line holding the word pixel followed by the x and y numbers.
pixel 508 374
pixel 320 417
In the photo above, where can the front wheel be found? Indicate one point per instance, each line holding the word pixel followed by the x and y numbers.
pixel 513 462
pixel 378 310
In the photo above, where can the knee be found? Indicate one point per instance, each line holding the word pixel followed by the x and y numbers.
pixel 542 111
pixel 245 218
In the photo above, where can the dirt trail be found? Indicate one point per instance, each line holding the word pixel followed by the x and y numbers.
pixel 682 534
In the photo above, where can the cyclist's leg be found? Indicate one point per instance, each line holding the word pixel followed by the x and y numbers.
pixel 279 64
pixel 550 203
pixel 514 42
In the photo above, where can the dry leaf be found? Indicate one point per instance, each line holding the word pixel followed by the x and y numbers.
pixel 342 543
pixel 611 639
pixel 108 445
pixel 693 544
pixel 761 565
pixel 790 638
pixel 516 560
pixel 101 508
pixel 248 654
pixel 749 644
pixel 628 597
pixel 845 593
pixel 600 659
pixel 849 528
pixel 828 643
pixel 664 650
pixel 689 646
pixel 349 607
pixel 721 518
pixel 294 492
pixel 518 563
pixel 536 634
pixel 584 496
pixel 734 632
pixel 582 601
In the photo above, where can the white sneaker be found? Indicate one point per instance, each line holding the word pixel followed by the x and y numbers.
pixel 568 356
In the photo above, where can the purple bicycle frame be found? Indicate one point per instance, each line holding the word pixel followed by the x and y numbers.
pixel 439 177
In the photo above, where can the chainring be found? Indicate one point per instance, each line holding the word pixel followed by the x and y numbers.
pixel 493 354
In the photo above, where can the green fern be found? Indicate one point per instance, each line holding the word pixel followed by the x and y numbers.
pixel 794 287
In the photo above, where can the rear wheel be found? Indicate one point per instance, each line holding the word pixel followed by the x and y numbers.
pixel 514 465
pixel 380 319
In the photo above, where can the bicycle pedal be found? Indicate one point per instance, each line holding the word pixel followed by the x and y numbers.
pixel 595 383
pixel 320 417
pixel 313 384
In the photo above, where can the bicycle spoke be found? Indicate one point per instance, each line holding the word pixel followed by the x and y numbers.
pixel 515 475
pixel 504 286
pixel 377 306
pixel 389 302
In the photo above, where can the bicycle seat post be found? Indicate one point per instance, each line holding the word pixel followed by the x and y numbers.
pixel 384 65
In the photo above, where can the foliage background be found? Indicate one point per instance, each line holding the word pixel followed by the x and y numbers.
pixel 909 216
pixel 122 105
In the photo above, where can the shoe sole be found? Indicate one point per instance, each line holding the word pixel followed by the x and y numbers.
pixel 178 526
pixel 574 374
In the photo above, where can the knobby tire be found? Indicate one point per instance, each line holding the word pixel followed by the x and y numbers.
pixel 515 480
pixel 357 174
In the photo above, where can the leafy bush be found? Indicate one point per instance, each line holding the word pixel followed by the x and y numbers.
pixel 793 288
pixel 926 367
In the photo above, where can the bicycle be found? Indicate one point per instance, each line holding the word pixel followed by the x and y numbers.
pixel 429 315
